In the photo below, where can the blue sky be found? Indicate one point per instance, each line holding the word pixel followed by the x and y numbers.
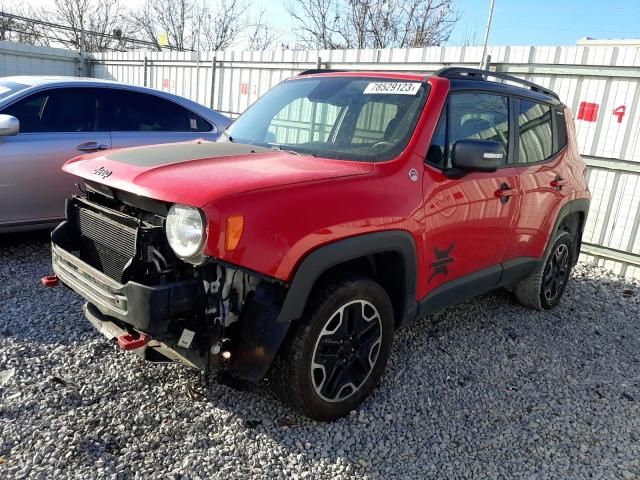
pixel 547 22
pixel 527 22
pixel 515 22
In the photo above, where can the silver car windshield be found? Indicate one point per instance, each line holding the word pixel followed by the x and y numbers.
pixel 8 88
pixel 348 118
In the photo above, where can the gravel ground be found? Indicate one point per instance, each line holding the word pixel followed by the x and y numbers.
pixel 486 389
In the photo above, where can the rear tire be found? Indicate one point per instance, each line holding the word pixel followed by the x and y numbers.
pixel 543 289
pixel 337 353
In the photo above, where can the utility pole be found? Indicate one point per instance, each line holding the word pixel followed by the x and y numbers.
pixel 82 47
pixel 483 63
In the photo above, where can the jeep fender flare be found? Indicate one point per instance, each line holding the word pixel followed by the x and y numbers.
pixel 341 251
pixel 580 205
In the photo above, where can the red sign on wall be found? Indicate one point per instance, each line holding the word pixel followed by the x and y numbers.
pixel 588 111
pixel 244 88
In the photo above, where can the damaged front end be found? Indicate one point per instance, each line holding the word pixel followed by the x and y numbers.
pixel 113 251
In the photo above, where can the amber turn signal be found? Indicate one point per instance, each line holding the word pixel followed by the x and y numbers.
pixel 235 223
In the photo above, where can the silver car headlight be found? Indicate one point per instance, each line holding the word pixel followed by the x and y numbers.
pixel 185 228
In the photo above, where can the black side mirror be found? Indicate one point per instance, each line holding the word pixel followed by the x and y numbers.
pixel 477 155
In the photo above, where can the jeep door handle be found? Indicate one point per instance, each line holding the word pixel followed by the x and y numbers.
pixel 91 147
pixel 559 182
pixel 504 192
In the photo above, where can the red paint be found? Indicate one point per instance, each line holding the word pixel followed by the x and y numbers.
pixel 588 111
pixel 292 204
pixel 619 112
pixel 50 281
pixel 244 88
pixel 128 342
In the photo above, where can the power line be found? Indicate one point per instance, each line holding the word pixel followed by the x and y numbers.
pixel 76 31
pixel 64 41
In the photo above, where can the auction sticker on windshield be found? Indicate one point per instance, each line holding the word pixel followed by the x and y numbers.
pixel 395 88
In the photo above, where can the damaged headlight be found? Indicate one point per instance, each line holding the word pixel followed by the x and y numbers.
pixel 185 228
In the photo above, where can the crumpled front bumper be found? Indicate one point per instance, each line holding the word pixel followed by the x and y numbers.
pixel 149 309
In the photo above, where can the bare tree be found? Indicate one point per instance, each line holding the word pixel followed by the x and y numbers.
pixel 222 25
pixel 260 34
pixel 373 23
pixel 207 25
pixel 95 25
pixel 17 25
pixel 317 22
pixel 471 37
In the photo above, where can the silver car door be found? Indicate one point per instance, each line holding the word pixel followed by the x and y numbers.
pixel 139 118
pixel 56 125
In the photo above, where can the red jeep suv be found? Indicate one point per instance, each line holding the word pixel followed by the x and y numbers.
pixel 339 207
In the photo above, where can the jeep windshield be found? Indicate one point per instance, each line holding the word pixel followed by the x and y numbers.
pixel 348 118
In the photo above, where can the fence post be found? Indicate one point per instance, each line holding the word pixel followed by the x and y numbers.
pixel 319 63
pixel 146 67
pixel 486 62
pixel 213 81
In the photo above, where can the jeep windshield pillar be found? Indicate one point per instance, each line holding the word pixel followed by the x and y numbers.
pixel 337 208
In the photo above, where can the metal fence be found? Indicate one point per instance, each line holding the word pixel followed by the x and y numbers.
pixel 17 59
pixel 601 84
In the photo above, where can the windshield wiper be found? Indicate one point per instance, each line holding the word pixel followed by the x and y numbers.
pixel 292 152
pixel 229 137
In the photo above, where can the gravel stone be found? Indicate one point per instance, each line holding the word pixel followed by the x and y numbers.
pixel 486 389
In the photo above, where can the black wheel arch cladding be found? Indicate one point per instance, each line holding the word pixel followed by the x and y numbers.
pixel 341 251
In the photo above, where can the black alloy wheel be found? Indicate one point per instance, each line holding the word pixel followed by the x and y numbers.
pixel 556 273
pixel 346 350
pixel 336 354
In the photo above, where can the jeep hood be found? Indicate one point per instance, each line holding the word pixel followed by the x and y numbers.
pixel 197 173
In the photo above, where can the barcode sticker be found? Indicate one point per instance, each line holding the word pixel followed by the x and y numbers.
pixel 393 88
pixel 186 338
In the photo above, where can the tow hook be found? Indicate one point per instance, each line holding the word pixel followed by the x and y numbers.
pixel 128 342
pixel 50 281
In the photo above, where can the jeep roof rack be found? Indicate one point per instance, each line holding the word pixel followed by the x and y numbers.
pixel 477 74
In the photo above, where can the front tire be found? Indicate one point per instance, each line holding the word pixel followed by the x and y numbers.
pixel 543 289
pixel 338 351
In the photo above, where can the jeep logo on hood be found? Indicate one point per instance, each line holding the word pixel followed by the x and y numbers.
pixel 102 172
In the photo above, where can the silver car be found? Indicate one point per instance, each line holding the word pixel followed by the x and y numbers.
pixel 45 121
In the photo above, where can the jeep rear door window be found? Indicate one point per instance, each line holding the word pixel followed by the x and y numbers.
pixel 59 110
pixel 142 112
pixel 350 118
pixel 478 116
pixel 535 132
